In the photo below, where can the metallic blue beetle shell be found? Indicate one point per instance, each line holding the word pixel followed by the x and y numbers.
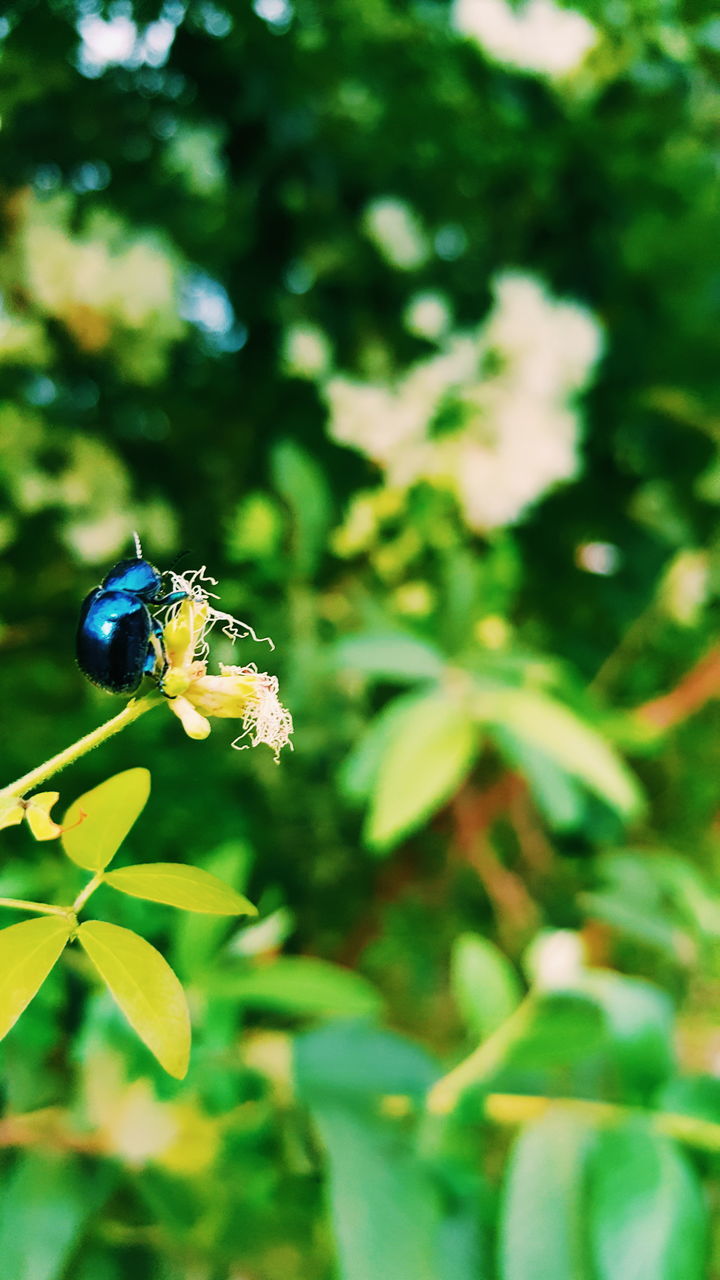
pixel 118 638
pixel 113 639
pixel 136 576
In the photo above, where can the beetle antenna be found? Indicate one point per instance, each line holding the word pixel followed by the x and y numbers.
pixel 138 548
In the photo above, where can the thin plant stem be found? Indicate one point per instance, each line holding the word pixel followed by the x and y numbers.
pixel 43 908
pixel 134 709
pixel 85 893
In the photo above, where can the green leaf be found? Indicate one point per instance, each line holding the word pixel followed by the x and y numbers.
pixel 647 1216
pixel 179 886
pixel 361 766
pixel 302 484
pixel 552 728
pixel 541 1219
pixel 358 1060
pixel 28 952
pixel 47 1203
pixel 485 986
pixel 302 985
pixel 384 1206
pixel 110 809
pixel 430 751
pixel 558 796
pixel 640 1020
pixel 553 1030
pixel 145 988
pixel 196 938
pixel 391 655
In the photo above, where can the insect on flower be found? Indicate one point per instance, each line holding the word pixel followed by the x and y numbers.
pixel 119 640
pixel 129 628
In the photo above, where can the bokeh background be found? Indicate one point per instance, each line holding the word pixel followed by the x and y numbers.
pixel 403 317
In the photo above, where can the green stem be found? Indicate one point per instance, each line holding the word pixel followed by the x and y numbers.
pixel 480 1065
pixel 134 709
pixel 44 908
pixel 85 893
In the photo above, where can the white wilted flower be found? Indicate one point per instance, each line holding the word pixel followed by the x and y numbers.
pixel 540 36
pixel 238 693
pixel 491 416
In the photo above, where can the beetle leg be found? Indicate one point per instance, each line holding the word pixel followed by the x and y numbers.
pixel 172 598
pixel 156 662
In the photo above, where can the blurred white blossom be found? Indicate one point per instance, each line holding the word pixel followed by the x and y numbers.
pixel 539 36
pixel 306 351
pixel 427 315
pixel 104 286
pixel 491 417
pixel 396 231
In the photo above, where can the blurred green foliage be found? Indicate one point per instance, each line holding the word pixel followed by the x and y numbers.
pixel 402 318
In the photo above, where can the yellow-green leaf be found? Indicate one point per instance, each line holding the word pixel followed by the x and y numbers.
pixel 145 988
pixel 28 952
pixel 110 809
pixel 37 808
pixel 12 812
pixel 189 888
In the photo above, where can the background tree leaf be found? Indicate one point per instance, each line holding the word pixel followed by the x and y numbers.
pixel 647 1216
pixel 429 753
pixel 111 809
pixel 555 730
pixel 302 985
pixel 145 988
pixel 396 656
pixel 49 1200
pixel 485 985
pixel 542 1211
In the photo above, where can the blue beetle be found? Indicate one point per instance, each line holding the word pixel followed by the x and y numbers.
pixel 118 639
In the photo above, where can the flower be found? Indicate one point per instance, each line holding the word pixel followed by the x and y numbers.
pixel 238 693
pixel 491 417
pixel 539 37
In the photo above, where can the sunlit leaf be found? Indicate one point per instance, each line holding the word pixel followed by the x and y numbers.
pixel 542 1211
pixel 575 746
pixel 110 809
pixel 145 988
pixel 28 952
pixel 429 753
pixel 189 888
pixel 647 1215
pixel 485 986
pixel 302 985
